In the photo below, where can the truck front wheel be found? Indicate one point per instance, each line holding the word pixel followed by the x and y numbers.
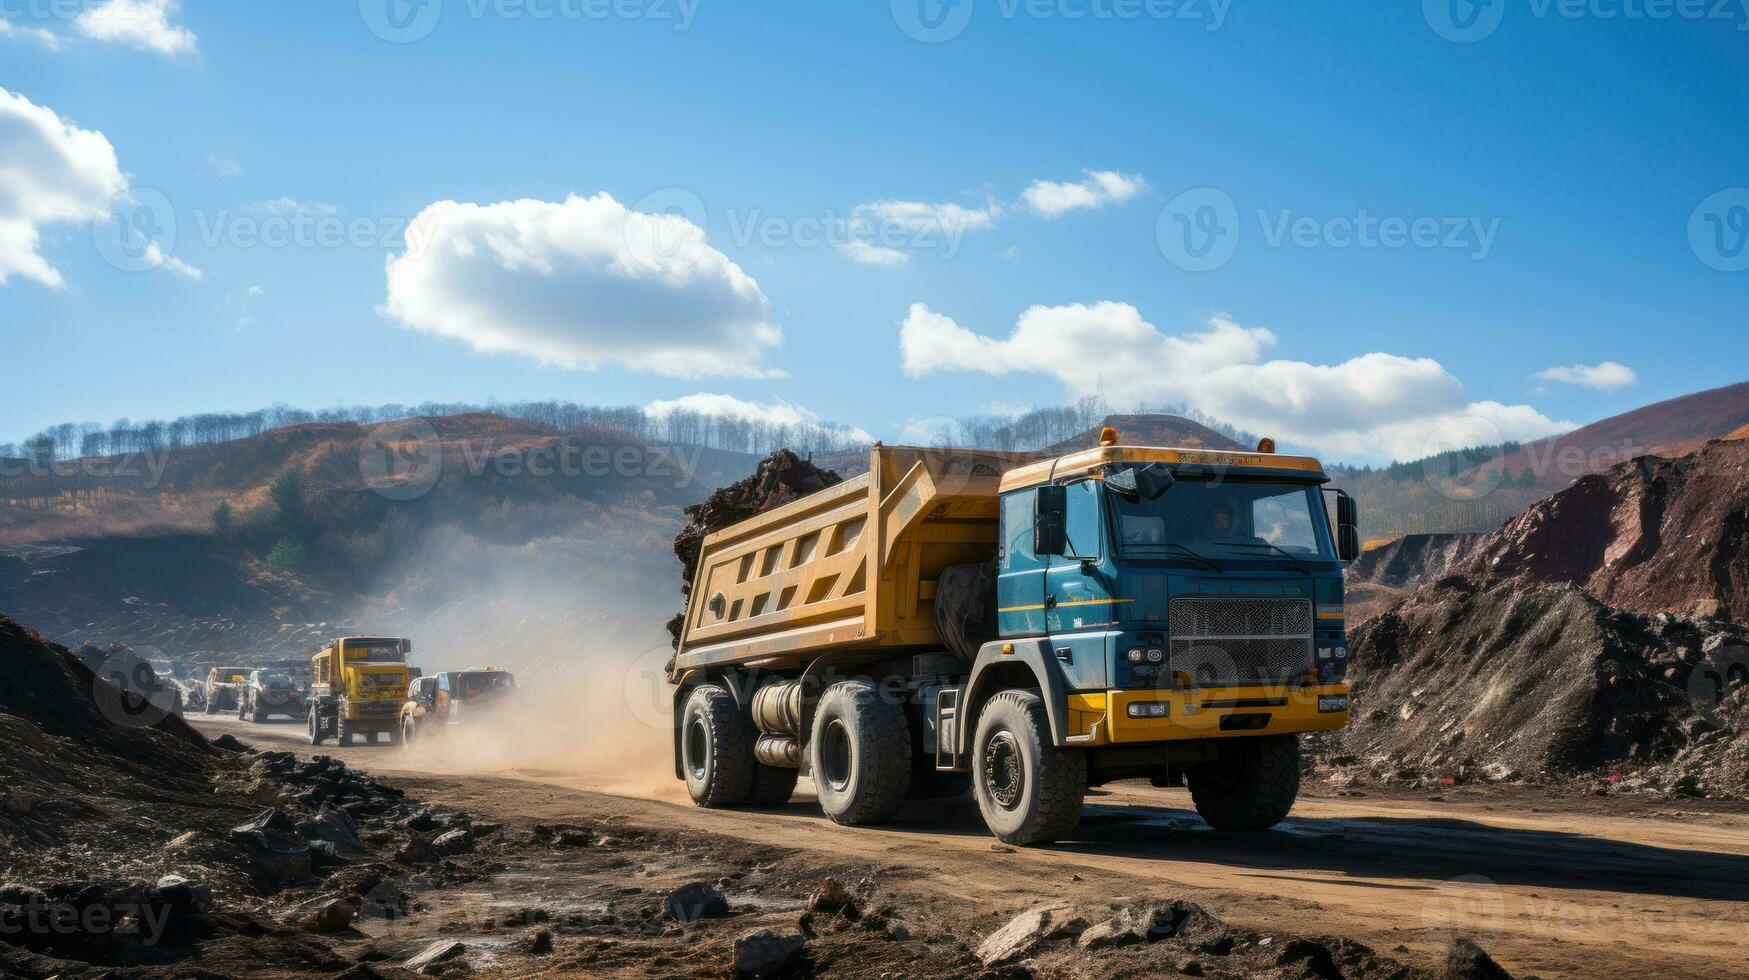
pixel 860 754
pixel 315 726
pixel 1029 790
pixel 716 748
pixel 1251 786
pixel 342 731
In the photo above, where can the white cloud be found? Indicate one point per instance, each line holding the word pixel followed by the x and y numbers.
pixel 157 258
pixel 581 284
pixel 142 24
pixel 865 254
pixel 776 413
pixel 279 207
pixel 1049 199
pixel 1375 406
pixel 1609 376
pixel 51 172
pixel 923 218
pixel 46 38
pixel 253 291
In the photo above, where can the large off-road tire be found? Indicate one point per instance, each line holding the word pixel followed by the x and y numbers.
pixel 772 785
pixel 1028 790
pixel 716 748
pixel 409 732
pixel 860 754
pixel 314 719
pixel 1252 786
pixel 342 732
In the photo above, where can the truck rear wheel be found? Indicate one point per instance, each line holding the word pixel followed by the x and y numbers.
pixel 342 732
pixel 1029 790
pixel 1252 786
pixel 716 748
pixel 860 754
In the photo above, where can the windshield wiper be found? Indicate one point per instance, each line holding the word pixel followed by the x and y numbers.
pixel 1302 566
pixel 1210 563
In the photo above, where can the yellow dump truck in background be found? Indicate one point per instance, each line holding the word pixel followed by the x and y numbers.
pixel 1030 626
pixel 358 685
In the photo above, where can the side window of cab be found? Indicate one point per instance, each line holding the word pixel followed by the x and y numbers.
pixel 1017 519
pixel 1082 520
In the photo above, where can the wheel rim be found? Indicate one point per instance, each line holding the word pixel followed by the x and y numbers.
pixel 697 746
pixel 1004 771
pixel 835 755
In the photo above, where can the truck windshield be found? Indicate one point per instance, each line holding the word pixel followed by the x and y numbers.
pixel 1224 521
pixel 376 653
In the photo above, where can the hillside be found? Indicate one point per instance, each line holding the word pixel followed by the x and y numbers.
pixel 1151 430
pixel 1478 490
pixel 1668 428
pixel 263 545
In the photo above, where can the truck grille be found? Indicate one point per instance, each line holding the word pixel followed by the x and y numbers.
pixel 1241 640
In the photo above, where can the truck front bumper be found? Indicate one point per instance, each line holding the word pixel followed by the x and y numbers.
pixel 1166 715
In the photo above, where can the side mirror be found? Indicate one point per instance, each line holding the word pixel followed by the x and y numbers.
pixel 1049 516
pixel 1347 527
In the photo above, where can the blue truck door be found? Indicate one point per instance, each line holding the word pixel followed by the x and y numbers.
pixel 1080 606
pixel 1020 581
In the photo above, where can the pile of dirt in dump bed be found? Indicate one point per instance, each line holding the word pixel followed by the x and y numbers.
pixel 781 478
pixel 1510 681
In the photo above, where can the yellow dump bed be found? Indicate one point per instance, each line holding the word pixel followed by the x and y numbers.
pixel 852 566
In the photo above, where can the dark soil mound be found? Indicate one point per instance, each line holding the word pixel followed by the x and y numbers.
pixel 781 478
pixel 1412 560
pixel 59 694
pixel 1653 534
pixel 1508 680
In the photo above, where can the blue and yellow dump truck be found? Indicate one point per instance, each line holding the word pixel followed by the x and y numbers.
pixel 1028 626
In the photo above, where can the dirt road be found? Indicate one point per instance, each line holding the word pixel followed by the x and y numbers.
pixel 1559 893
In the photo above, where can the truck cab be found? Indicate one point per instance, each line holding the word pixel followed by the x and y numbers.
pixel 358 685
pixel 1028 626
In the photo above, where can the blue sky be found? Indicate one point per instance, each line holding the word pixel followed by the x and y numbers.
pixel 1559 161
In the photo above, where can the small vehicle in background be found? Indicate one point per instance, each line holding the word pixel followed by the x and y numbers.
pixel 267 693
pixel 455 697
pixel 223 687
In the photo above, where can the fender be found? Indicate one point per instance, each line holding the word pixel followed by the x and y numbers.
pixel 1035 654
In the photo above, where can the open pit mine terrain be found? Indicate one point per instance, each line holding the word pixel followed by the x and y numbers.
pixel 1546 773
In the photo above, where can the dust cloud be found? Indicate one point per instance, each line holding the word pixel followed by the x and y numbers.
pixel 587 648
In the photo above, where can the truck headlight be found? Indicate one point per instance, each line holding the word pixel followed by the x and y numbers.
pixel 1329 703
pixel 1156 655
pixel 1135 655
pixel 1149 709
